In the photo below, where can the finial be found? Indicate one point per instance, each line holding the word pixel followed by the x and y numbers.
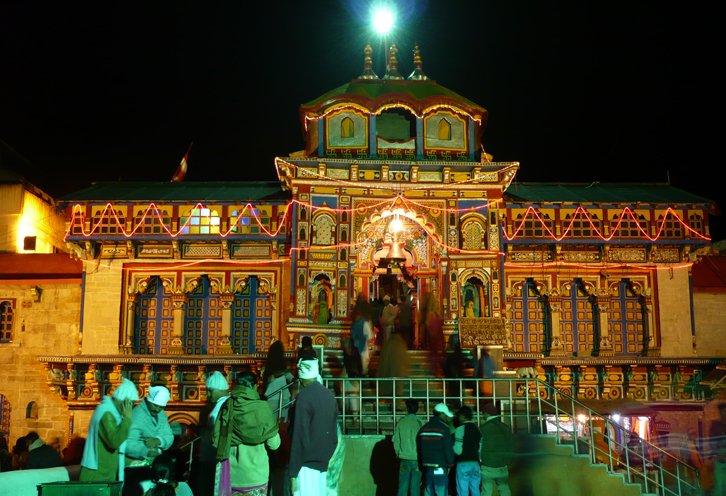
pixel 417 73
pixel 368 64
pixel 392 64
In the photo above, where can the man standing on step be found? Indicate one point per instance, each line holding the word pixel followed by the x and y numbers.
pixel 496 452
pixel 436 451
pixel 314 432
pixel 404 443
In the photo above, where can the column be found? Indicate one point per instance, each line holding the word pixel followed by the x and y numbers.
pixel 606 342
pixel 224 347
pixel 127 347
pixel 72 381
pixel 178 301
pixel 556 346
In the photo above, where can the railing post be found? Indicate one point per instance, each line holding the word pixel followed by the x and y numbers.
pixel 645 463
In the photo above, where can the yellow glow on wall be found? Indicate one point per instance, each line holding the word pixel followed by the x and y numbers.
pixel 38 220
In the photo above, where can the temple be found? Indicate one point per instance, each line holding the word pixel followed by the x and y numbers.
pixel 592 288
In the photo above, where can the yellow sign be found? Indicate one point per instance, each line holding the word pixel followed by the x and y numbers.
pixel 474 331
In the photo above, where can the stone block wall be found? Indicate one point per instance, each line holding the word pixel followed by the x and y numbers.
pixel 48 326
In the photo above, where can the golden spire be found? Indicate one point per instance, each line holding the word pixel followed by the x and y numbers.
pixel 417 73
pixel 368 64
pixel 392 64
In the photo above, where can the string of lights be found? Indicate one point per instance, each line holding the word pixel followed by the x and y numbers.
pixel 519 229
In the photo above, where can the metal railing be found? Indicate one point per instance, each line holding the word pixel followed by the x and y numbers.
pixel 530 406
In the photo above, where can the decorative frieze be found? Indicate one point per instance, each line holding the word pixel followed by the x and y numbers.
pixel 626 255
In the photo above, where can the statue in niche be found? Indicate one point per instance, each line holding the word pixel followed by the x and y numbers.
pixel 321 301
pixel 475 295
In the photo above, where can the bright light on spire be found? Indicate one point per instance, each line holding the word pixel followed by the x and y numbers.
pixel 383 18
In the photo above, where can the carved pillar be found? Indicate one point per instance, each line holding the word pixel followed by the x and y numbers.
pixel 72 381
pixel 127 347
pixel 224 347
pixel 92 386
pixel 115 376
pixel 173 384
pixel 606 343
pixel 201 380
pixel 146 378
pixel 653 348
pixel 178 301
pixel 557 348
pixel 627 376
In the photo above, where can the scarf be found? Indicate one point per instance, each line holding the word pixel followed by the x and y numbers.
pixel 90 450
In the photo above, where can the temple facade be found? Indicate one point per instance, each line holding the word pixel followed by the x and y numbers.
pixel 587 286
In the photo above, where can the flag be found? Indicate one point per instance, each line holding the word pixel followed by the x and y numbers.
pixel 181 171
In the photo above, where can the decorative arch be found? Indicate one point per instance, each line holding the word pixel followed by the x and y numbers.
pixel 252 310
pixel 475 293
pixel 473 232
pixel 153 314
pixel 321 299
pixel 324 227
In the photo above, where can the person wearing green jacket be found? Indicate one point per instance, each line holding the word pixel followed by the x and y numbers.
pixel 104 451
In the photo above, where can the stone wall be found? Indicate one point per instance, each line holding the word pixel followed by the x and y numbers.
pixel 49 326
pixel 708 309
pixel 102 307
pixel 674 313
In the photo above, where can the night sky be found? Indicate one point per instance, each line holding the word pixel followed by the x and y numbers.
pixel 577 91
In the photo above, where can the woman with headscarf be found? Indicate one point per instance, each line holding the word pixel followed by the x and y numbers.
pixel 103 453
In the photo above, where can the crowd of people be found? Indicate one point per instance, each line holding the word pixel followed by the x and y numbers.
pixel 261 436
pixel 452 451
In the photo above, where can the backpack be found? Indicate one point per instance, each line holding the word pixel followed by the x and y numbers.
pixel 243 419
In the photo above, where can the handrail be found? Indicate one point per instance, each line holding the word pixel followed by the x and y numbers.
pixel 288 386
pixel 528 404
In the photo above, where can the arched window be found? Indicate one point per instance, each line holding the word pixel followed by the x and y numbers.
pixel 582 226
pixel 249 220
pixel 695 221
pixel 628 318
pixel 670 227
pixel 78 221
pixel 531 318
pixel 534 226
pixel 154 319
pixel 200 221
pixel 629 227
pixel 347 128
pixel 251 318
pixel 31 410
pixel 444 130
pixel 108 221
pixel 152 221
pixel 324 227
pixel 203 322
pixel 473 234
pixel 577 319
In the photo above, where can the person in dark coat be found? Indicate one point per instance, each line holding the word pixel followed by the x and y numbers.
pixel 435 444
pixel 41 455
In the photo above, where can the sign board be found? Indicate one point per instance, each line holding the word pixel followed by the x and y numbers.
pixel 475 331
